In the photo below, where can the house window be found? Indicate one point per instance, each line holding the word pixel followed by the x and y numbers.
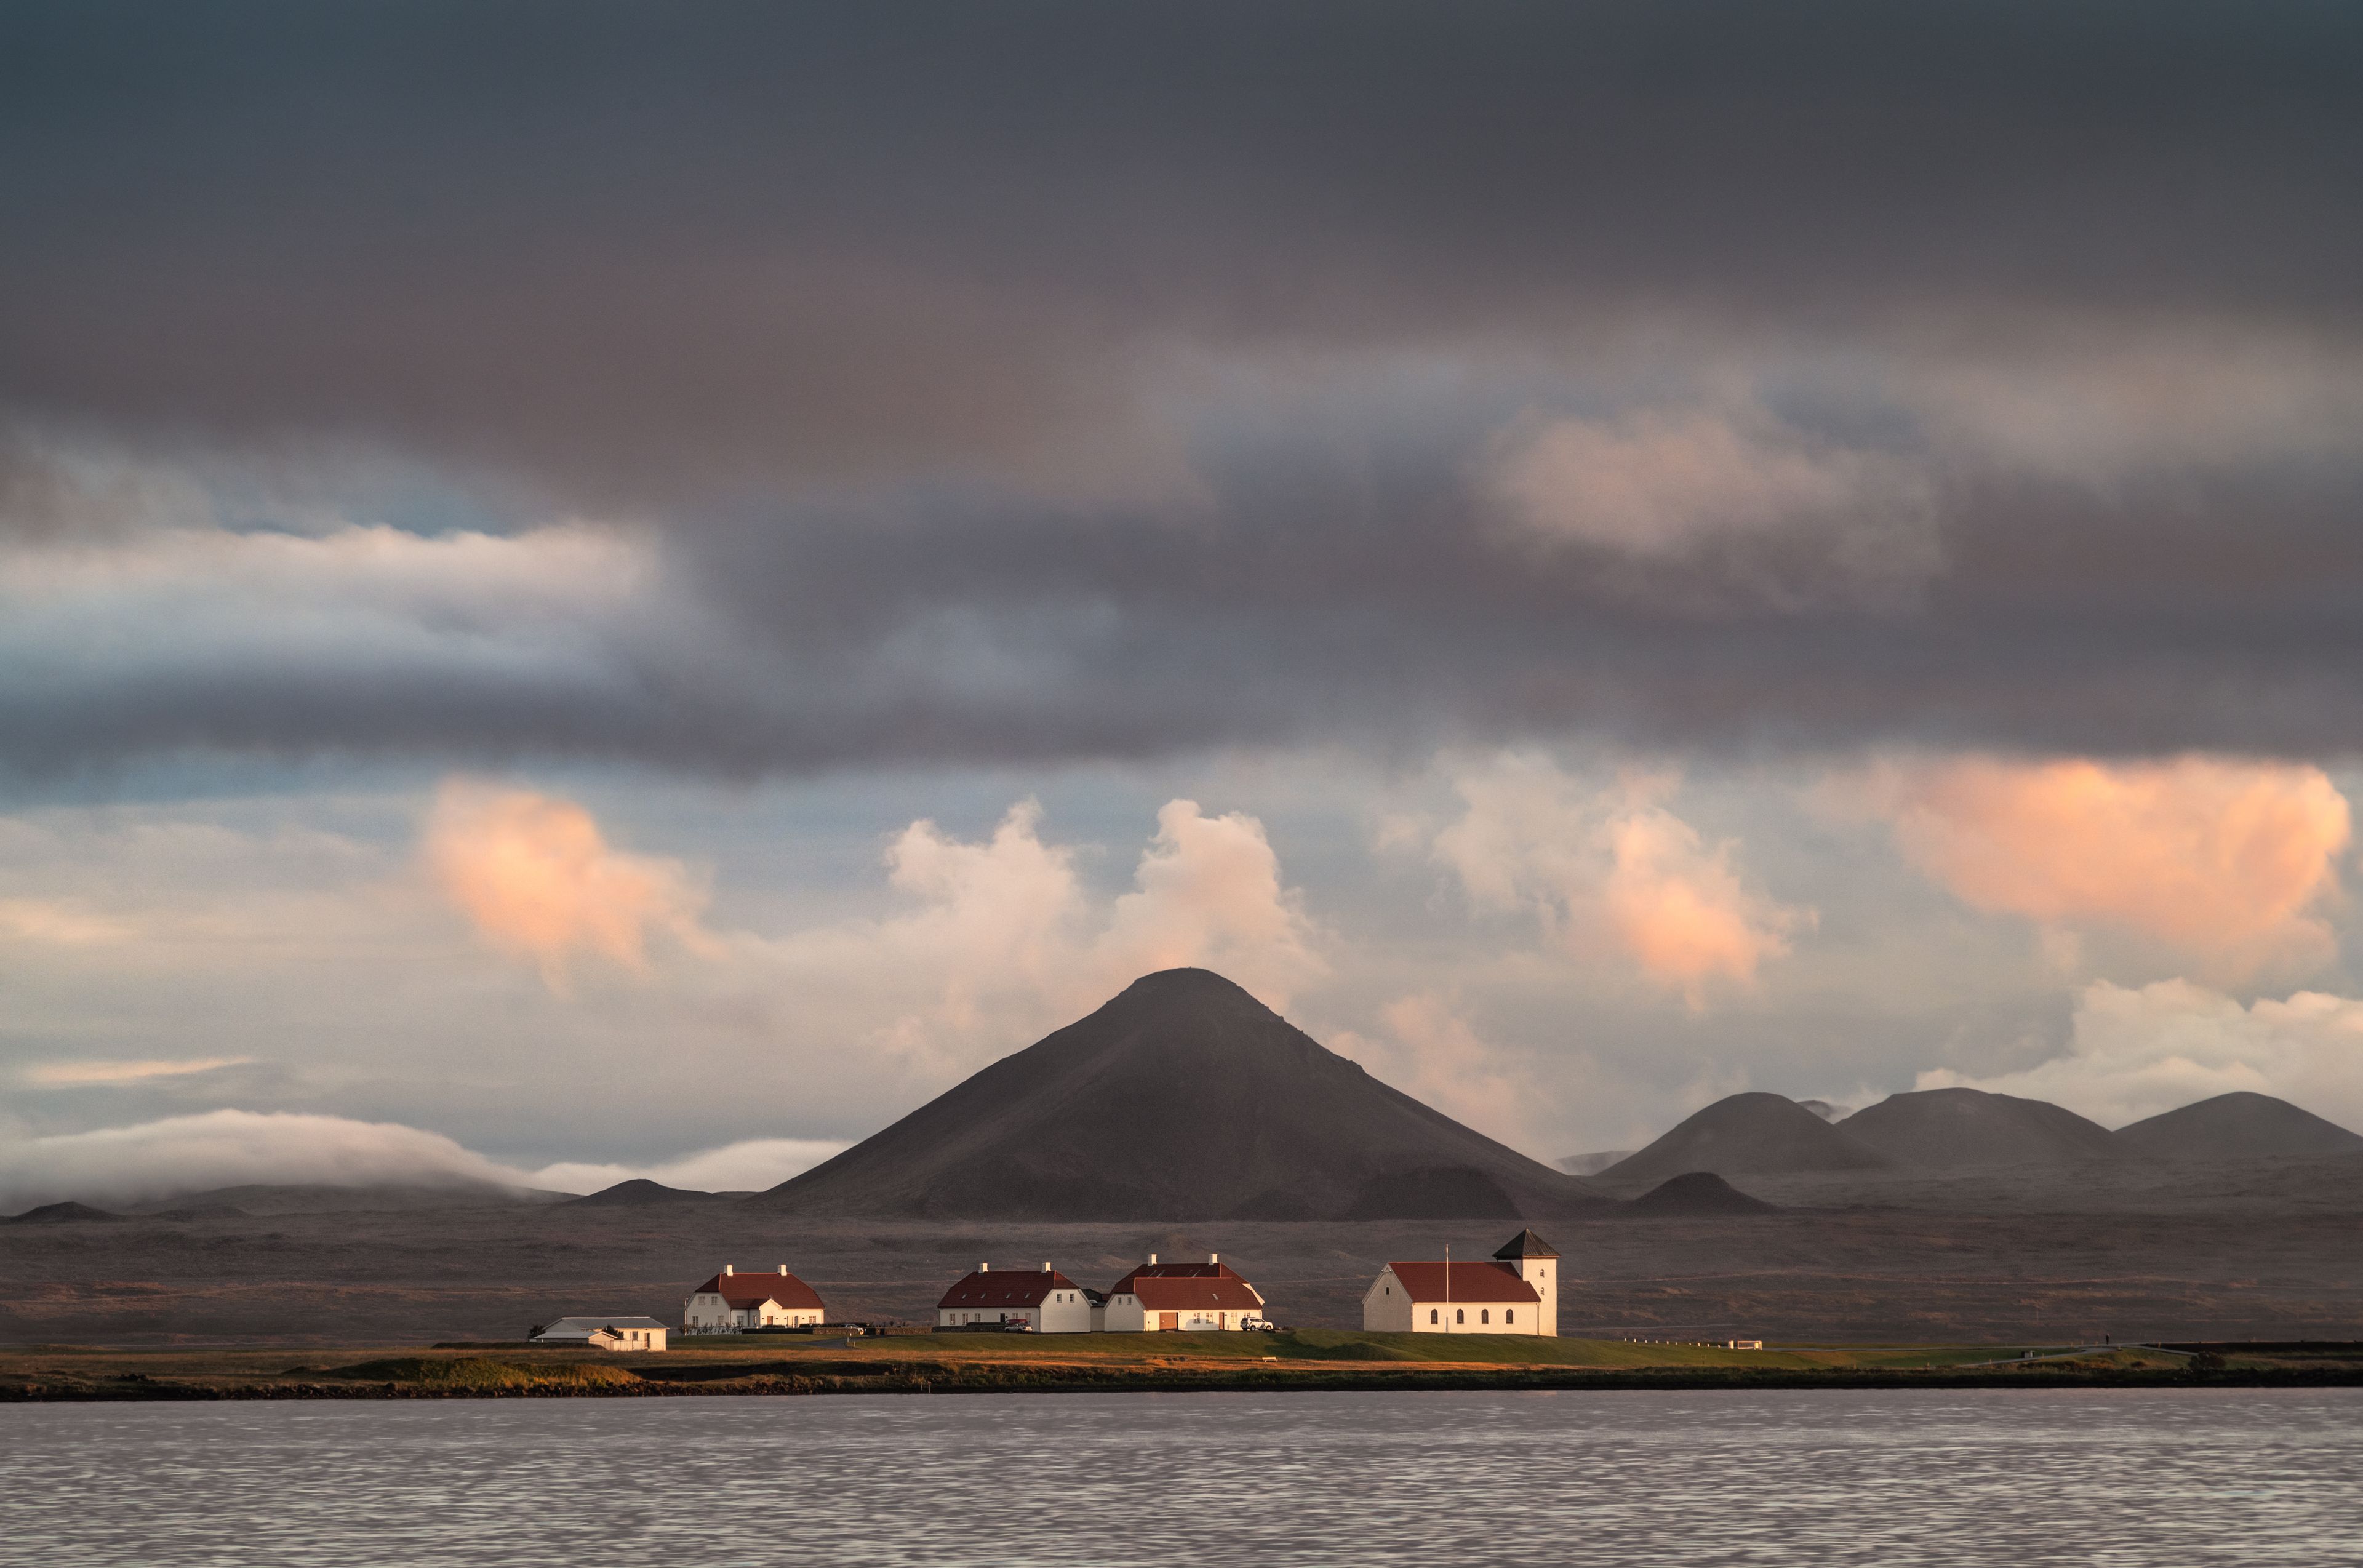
pixel 1509 1315
pixel 1485 1317
pixel 1431 1314
pixel 1459 1315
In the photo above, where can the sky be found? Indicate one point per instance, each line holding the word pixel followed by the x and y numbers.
pixel 593 590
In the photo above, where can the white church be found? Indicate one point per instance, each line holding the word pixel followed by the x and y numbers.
pixel 1514 1293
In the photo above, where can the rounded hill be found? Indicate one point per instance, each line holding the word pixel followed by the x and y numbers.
pixel 1960 1130
pixel 1753 1134
pixel 2239 1126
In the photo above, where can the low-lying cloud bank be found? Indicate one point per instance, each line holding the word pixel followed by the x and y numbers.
pixel 185 1154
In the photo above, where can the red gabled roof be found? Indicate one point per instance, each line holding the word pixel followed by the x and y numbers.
pixel 1233 1295
pixel 1009 1288
pixel 1179 1287
pixel 1487 1282
pixel 743 1291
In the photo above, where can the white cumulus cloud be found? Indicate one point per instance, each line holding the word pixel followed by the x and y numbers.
pixel 2136 1051
pixel 1613 870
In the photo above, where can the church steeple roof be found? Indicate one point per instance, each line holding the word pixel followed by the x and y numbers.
pixel 1527 1244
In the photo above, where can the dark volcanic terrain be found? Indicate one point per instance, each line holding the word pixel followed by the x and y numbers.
pixel 1184 1118
pixel 2268 1251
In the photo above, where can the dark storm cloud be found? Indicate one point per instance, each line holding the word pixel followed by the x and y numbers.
pixel 628 243
pixel 918 339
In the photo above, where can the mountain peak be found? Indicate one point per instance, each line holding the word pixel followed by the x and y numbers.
pixel 1181 1098
pixel 1187 986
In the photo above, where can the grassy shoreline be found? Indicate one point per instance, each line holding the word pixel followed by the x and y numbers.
pixel 1305 1360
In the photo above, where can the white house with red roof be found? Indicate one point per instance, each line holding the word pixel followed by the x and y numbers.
pixel 1043 1300
pixel 1184 1296
pixel 731 1301
pixel 1514 1292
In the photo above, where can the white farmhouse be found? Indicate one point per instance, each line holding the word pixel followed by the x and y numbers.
pixel 1043 1300
pixel 601 1334
pixel 731 1301
pixel 1516 1293
pixel 1185 1296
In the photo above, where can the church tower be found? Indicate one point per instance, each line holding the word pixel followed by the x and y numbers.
pixel 1537 1262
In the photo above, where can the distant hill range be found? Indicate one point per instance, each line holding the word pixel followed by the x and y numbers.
pixel 1940 1132
pixel 1183 1098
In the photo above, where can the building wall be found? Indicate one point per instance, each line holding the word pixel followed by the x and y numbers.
pixel 1543 1274
pixel 1386 1306
pixel 988 1318
pixel 1125 1315
pixel 1066 1312
pixel 708 1313
pixel 1475 1317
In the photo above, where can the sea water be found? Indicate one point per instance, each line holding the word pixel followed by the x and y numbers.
pixel 2169 1478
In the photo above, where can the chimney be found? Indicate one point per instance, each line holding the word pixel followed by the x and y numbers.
pixel 1046 1266
pixel 783 1268
pixel 727 1269
pixel 1213 1257
pixel 1152 1258
pixel 984 1268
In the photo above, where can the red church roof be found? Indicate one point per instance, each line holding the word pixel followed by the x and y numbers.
pixel 743 1291
pixel 1469 1282
pixel 1189 1287
pixel 1011 1287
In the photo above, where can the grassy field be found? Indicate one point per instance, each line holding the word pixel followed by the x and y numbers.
pixel 1307 1359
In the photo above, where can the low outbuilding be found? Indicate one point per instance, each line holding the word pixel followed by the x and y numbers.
pixel 1188 1297
pixel 731 1303
pixel 601 1334
pixel 1043 1301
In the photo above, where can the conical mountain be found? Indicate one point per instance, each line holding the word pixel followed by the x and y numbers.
pixel 1183 1098
pixel 1746 1135
pixel 1962 1129
pixel 2239 1126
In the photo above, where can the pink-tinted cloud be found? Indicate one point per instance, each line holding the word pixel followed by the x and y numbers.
pixel 1678 906
pixel 538 879
pixel 1428 1050
pixel 1613 866
pixel 2225 862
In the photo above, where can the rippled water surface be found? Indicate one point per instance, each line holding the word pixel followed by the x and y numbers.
pixel 1886 1478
